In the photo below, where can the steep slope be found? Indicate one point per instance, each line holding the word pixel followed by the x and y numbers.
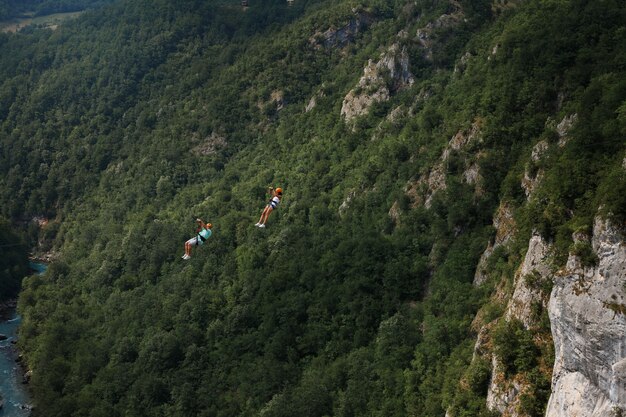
pixel 403 134
pixel 13 262
pixel 588 316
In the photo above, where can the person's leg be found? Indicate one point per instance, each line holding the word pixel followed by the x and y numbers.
pixel 188 244
pixel 261 220
pixel 266 214
pixel 262 215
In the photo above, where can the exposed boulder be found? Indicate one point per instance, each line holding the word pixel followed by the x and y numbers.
pixel 472 174
pixel 530 182
pixel 41 221
pixel 462 64
pixel 397 114
pixel 27 377
pixel 311 105
pixel 539 150
pixel 463 138
pixel 564 127
pixel 394 212
pixel 422 191
pixel 494 51
pixel 346 203
pixel 278 98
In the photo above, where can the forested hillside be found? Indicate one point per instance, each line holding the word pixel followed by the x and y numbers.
pixel 13 262
pixel 397 130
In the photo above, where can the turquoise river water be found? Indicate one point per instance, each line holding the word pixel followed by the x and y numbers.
pixel 12 389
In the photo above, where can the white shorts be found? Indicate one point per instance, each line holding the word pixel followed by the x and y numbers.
pixel 194 241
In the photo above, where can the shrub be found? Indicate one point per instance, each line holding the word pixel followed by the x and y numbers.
pixel 585 253
pixel 478 376
pixel 533 402
pixel 514 347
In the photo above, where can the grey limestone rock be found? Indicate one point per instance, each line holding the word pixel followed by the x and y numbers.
pixel 588 317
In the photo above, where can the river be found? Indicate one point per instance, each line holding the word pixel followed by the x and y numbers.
pixel 12 389
pixel 16 399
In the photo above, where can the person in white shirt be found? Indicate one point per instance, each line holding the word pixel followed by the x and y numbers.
pixel 275 196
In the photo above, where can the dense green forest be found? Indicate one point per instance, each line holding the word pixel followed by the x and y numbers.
pixel 13 260
pixel 126 124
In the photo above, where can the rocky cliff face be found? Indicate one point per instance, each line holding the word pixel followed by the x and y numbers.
pixel 588 317
pixel 504 224
pixel 426 35
pixel 505 393
pixel 342 36
pixel 422 190
pixel 587 310
pixel 536 267
pixel 379 81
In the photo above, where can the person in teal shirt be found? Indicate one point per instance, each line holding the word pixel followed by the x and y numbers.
pixel 202 234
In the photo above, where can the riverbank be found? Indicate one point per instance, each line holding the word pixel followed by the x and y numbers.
pixel 37 266
pixel 6 308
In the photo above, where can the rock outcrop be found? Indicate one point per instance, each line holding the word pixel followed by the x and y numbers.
pixel 564 127
pixel 532 178
pixel 342 36
pixel 427 35
pixel 504 394
pixel 462 64
pixel 535 268
pixel 379 81
pixel 346 203
pixel 504 224
pixel 587 310
pixel 423 189
pixel 588 317
pixel 211 145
